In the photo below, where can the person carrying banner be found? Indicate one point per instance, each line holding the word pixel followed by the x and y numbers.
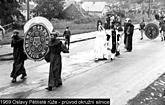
pixel 19 56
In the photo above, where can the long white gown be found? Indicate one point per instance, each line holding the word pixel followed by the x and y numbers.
pixel 100 47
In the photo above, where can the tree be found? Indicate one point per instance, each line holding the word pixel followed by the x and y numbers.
pixel 8 10
pixel 49 8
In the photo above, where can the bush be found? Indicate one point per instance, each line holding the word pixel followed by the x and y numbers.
pixel 18 25
pixel 55 20
pixel 84 20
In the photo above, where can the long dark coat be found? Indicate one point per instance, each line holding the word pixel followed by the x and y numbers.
pixel 113 50
pixel 129 31
pixel 19 57
pixel 55 49
pixel 125 34
pixel 67 35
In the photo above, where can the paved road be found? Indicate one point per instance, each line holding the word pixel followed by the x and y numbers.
pixel 119 80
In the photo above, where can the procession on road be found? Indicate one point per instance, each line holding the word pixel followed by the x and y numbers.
pixel 69 48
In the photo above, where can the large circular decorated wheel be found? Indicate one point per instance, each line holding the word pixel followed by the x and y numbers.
pixel 151 31
pixel 36 42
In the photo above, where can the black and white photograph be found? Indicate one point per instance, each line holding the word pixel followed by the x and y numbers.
pixel 88 52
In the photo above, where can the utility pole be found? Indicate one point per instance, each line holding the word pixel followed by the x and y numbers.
pixel 27 10
pixel 164 4
pixel 149 8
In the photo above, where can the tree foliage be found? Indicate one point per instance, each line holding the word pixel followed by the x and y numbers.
pixel 9 9
pixel 49 8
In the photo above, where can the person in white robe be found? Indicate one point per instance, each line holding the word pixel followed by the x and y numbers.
pixel 100 47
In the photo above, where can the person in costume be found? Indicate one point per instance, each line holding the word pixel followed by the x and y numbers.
pixel 54 57
pixel 19 57
pixel 129 32
pixel 100 48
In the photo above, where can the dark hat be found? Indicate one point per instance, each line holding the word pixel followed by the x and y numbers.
pixel 55 33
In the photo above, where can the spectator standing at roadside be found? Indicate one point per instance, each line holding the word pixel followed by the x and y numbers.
pixel 2 33
pixel 162 29
pixel 99 22
pixel 142 28
pixel 67 34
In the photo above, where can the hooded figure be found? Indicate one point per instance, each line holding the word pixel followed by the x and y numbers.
pixel 19 56
pixel 129 32
pixel 54 56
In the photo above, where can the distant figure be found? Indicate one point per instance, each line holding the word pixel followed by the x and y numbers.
pixel 100 27
pixel 125 34
pixel 108 20
pixel 119 33
pixel 113 37
pixel 54 57
pixel 162 29
pixel 19 57
pixel 142 28
pixel 67 34
pixel 129 32
pixel 2 33
pixel 99 22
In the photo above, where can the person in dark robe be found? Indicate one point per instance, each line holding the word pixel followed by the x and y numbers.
pixel 125 34
pixel 67 34
pixel 113 37
pixel 54 55
pixel 129 32
pixel 19 57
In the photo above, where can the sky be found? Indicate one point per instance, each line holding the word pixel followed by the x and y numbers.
pixel 78 0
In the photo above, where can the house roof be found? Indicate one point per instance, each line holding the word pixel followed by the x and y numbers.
pixel 68 3
pixel 73 6
pixel 93 6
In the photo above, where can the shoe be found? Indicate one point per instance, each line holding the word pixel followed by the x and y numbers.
pixel 60 84
pixel 111 59
pixel 161 39
pixel 13 80
pixel 105 59
pixel 23 76
pixel 96 59
pixel 128 50
pixel 141 38
pixel 117 53
pixel 49 88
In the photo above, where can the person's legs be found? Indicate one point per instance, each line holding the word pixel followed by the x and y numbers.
pixel 68 42
pixel 161 36
pixel 164 35
pixel 141 34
